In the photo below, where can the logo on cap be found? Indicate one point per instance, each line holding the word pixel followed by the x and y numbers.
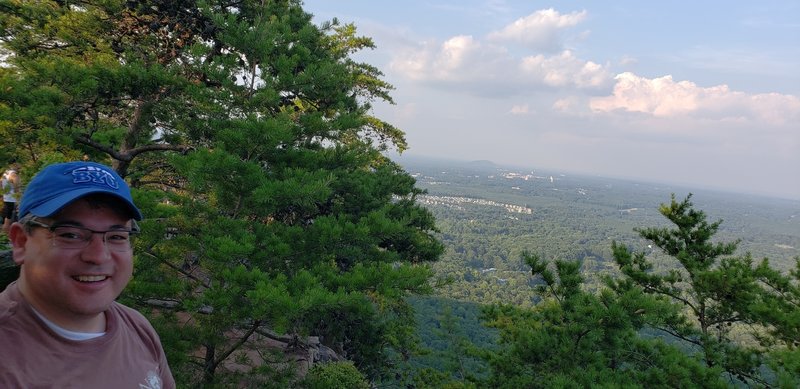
pixel 95 175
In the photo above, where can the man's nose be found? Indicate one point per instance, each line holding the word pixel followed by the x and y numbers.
pixel 96 250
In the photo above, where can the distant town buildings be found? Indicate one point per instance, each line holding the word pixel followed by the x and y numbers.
pixel 460 202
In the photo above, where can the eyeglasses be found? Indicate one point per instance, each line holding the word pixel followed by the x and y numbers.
pixel 74 237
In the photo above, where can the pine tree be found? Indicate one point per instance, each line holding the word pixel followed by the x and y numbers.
pixel 711 319
pixel 730 308
pixel 575 338
pixel 245 132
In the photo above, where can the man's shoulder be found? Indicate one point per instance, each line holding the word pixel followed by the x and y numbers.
pixel 127 312
pixel 7 309
pixel 130 318
pixel 9 306
pixel 132 323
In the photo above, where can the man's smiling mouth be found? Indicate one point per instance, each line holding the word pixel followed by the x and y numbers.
pixel 90 278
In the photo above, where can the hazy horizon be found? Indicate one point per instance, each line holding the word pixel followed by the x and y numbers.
pixel 701 94
pixel 689 187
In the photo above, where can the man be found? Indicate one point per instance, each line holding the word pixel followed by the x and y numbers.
pixel 9 183
pixel 60 325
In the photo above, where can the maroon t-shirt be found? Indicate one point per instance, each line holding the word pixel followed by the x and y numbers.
pixel 128 355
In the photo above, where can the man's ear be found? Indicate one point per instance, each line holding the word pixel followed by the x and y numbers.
pixel 18 237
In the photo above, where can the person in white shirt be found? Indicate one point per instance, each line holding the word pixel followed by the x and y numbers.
pixel 9 183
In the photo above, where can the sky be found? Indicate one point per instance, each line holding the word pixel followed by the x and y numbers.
pixel 698 93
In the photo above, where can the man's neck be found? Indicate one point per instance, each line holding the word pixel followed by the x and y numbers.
pixel 83 323
pixel 65 333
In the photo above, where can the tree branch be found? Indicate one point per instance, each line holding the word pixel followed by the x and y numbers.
pixel 253 327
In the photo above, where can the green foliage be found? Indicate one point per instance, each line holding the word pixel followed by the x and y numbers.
pixel 574 217
pixel 573 338
pixel 778 311
pixel 728 305
pixel 650 327
pixel 243 130
pixel 452 339
pixel 335 375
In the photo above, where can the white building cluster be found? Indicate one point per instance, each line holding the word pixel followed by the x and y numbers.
pixel 525 177
pixel 459 202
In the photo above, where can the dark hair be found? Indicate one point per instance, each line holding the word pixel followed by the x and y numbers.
pixel 101 200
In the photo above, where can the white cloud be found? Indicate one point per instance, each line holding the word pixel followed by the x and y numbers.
pixel 628 60
pixel 487 67
pixel 460 59
pixel 567 105
pixel 520 109
pixel 539 30
pixel 565 70
pixel 455 52
pixel 664 97
pixel 483 69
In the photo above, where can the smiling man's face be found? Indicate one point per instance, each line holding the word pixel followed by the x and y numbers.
pixel 73 287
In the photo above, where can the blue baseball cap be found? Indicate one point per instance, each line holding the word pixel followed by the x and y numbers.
pixel 56 186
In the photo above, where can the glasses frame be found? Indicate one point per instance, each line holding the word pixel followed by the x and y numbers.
pixel 134 230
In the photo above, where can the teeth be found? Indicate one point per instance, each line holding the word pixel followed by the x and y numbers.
pixel 90 278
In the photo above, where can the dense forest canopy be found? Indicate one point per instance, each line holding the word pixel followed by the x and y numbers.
pixel 674 285
pixel 570 217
